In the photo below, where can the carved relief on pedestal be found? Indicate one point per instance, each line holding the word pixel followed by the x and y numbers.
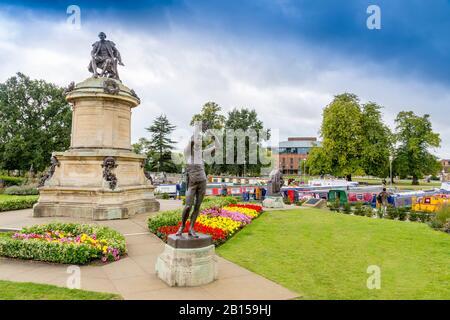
pixel 109 164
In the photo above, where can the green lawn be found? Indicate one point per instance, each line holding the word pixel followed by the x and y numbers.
pixel 33 291
pixel 324 255
pixel 402 184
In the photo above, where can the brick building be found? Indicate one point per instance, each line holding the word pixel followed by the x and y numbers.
pixel 446 165
pixel 293 151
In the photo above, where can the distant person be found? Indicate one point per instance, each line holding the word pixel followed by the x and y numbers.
pixel 178 195
pixel 263 193
pixel 384 182
pixel 382 199
pixel 224 191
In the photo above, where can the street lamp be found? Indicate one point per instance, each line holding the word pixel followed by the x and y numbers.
pixel 391 158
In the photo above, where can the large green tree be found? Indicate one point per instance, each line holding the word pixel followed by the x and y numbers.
pixel 318 163
pixel 210 116
pixel 246 121
pixel 376 143
pixel 159 148
pixel 415 136
pixel 342 135
pixel 354 139
pixel 35 120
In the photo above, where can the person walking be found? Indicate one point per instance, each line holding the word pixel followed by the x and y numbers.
pixel 382 199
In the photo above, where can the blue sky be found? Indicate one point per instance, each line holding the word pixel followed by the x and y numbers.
pixel 284 58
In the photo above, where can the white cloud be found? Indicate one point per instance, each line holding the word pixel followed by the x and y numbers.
pixel 175 72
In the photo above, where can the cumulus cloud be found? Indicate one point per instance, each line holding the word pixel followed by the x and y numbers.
pixel 175 71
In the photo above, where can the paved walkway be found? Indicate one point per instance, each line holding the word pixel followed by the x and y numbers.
pixel 134 277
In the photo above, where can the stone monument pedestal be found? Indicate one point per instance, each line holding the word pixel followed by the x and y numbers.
pixel 99 177
pixel 187 262
pixel 273 202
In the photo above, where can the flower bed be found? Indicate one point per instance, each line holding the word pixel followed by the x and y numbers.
pixel 220 222
pixel 64 243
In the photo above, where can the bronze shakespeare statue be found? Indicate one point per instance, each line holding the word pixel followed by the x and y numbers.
pixel 275 182
pixel 105 57
pixel 195 181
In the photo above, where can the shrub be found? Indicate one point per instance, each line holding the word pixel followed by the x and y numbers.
pixel 211 202
pixel 436 224
pixel 359 209
pixel 446 226
pixel 18 203
pixel 347 208
pixel 424 217
pixel 413 216
pixel 21 190
pixel 165 196
pixel 11 181
pixel 335 205
pixel 443 214
pixel 300 202
pixel 368 211
pixel 402 213
pixel 392 212
pixel 164 218
pixel 380 213
pixel 64 243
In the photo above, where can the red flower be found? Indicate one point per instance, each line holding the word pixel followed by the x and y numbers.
pixel 218 235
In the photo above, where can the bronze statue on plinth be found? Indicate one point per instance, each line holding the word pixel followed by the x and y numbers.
pixel 105 57
pixel 196 180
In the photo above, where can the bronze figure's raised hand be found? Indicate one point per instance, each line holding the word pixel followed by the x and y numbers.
pixel 106 57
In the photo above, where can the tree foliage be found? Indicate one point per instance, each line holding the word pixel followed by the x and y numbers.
pixel 376 144
pixel 342 135
pixel 35 120
pixel 159 148
pixel 210 116
pixel 414 136
pixel 355 139
pixel 247 121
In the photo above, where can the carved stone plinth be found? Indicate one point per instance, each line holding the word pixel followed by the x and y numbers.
pixel 99 177
pixel 187 262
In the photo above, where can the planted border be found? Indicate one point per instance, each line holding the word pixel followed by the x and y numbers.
pixel 68 243
pixel 221 222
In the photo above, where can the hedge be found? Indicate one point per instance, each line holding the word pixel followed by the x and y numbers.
pixel 21 190
pixel 18 203
pixel 11 181
pixel 61 250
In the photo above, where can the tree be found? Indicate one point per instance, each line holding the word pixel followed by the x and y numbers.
pixel 342 135
pixel 245 119
pixel 414 136
pixel 318 162
pixel 376 143
pixel 210 116
pixel 141 147
pixel 159 150
pixel 35 120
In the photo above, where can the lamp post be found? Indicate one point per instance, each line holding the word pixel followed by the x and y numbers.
pixel 391 158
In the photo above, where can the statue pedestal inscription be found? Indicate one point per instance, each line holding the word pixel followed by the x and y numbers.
pixel 187 261
pixel 99 177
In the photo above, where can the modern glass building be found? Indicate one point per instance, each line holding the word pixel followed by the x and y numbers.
pixel 292 153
